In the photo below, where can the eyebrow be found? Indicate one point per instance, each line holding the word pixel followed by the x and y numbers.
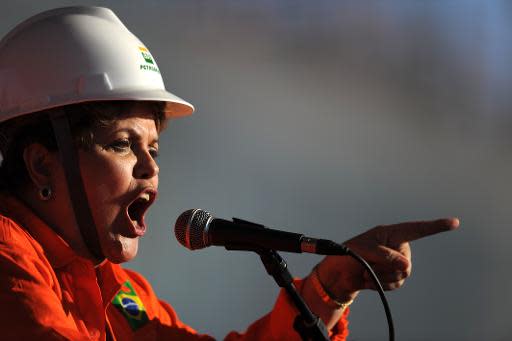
pixel 133 131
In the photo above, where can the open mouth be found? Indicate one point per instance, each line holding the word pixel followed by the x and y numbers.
pixel 137 209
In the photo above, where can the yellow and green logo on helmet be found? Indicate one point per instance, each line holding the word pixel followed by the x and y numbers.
pixel 149 62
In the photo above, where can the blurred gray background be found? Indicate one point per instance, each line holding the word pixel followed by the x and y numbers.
pixel 328 118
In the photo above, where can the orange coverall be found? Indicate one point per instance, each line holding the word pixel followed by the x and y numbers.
pixel 48 292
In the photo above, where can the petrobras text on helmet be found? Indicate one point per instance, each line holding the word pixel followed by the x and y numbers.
pixel 149 68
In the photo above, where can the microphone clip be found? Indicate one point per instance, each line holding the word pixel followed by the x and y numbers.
pixel 245 246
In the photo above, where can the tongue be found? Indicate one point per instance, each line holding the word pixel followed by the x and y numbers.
pixel 140 229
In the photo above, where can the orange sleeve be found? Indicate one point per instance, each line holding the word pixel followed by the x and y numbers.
pixel 30 305
pixel 278 324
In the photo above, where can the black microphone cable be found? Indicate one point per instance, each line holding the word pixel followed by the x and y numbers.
pixel 380 290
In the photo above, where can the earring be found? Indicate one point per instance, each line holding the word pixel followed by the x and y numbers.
pixel 45 193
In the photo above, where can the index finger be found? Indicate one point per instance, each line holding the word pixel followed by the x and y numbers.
pixel 406 232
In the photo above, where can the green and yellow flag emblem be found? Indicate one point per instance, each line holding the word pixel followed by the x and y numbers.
pixel 130 305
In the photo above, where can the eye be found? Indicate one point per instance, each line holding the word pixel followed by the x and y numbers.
pixel 121 145
pixel 153 151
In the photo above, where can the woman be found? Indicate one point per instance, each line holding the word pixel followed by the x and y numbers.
pixel 79 141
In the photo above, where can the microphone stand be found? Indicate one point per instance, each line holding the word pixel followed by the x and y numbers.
pixel 309 326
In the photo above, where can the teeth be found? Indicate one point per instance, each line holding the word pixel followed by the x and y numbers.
pixel 144 197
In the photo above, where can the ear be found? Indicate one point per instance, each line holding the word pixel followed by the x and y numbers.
pixel 40 164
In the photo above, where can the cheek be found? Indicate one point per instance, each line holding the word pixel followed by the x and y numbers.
pixel 106 179
pixel 107 183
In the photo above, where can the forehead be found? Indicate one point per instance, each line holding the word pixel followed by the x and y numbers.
pixel 138 118
pixel 138 110
pixel 96 114
pixel 135 121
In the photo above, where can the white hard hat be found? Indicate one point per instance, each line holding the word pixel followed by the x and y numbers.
pixel 77 54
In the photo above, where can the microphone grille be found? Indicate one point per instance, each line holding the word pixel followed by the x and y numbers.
pixel 190 228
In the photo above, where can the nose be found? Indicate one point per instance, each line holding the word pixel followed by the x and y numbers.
pixel 146 167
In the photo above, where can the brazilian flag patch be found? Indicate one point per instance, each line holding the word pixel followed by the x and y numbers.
pixel 130 305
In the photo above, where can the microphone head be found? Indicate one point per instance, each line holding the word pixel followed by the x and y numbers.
pixel 191 229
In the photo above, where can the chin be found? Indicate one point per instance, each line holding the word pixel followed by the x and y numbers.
pixel 121 250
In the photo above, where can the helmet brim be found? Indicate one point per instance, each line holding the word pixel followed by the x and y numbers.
pixel 174 106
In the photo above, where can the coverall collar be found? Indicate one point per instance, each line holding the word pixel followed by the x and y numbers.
pixel 56 249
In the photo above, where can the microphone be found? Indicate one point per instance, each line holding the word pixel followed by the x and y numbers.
pixel 196 229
